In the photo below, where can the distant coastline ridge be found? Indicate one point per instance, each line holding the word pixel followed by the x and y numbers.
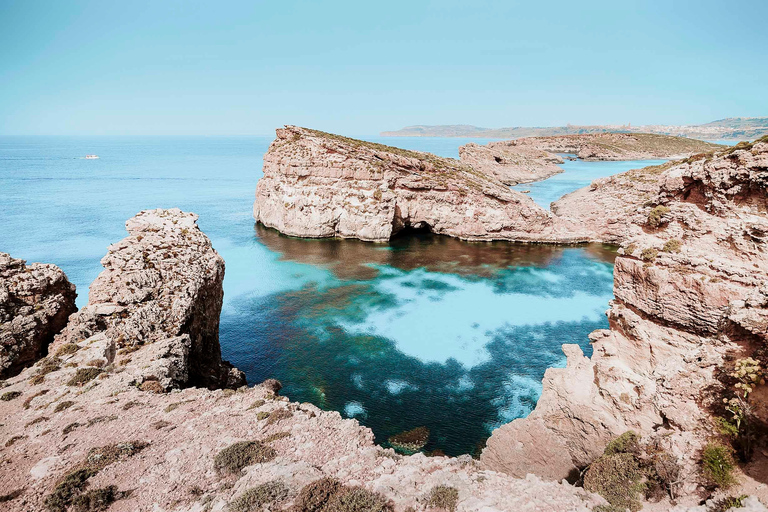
pixel 732 128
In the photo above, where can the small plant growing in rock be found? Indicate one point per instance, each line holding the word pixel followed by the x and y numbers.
pixel 84 375
pixel 444 497
pixel 314 496
pixel 717 465
pixel 66 349
pixel 630 249
pixel 410 441
pixel 279 414
pixel 672 245
pixel 234 458
pixel 617 475
pixel 152 386
pixel 727 503
pixel 656 216
pixel 69 486
pixel 10 395
pixel 358 499
pixel 66 404
pixel 262 415
pixel 256 498
pixel 96 500
pixel 649 254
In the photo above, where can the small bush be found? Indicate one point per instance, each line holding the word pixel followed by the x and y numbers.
pixel 13 440
pixel 649 254
pixel 66 349
pixel 618 478
pixel 630 249
pixel 68 487
pixel 28 401
pixel 151 386
pixel 358 499
pixel 314 496
pixel 69 428
pixel 66 404
pixel 234 458
pixel 672 245
pixel 279 414
pixel 256 404
pixel 95 500
pixel 656 216
pixel 262 415
pixel 253 499
pixel 10 395
pixel 443 497
pixel 276 437
pixel 83 376
pixel 726 428
pixel 724 504
pixel 411 440
pixel 717 465
pixel 628 442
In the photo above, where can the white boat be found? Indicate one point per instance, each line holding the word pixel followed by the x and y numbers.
pixel 91 157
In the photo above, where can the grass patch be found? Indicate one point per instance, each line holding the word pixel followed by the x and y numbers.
pixel 66 349
pixel 262 415
pixel 234 458
pixel 410 441
pixel 67 489
pixel 97 500
pixel 314 496
pixel 28 400
pixel 279 414
pixel 724 504
pixel 656 217
pixel 256 404
pixel 276 437
pixel 649 254
pixel 672 245
pixel 358 499
pixel 66 404
pixel 13 440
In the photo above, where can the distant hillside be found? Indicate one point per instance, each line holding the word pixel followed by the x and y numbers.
pixel 736 128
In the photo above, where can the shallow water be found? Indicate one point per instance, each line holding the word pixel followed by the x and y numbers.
pixel 425 330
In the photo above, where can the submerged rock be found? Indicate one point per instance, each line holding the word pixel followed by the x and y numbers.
pixel 318 185
pixel 35 302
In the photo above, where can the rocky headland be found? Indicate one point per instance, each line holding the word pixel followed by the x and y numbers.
pixel 511 164
pixel 110 417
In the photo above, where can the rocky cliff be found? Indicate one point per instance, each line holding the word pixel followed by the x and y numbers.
pixel 161 284
pixel 35 302
pixel 320 185
pixel 104 421
pixel 510 164
pixel 689 294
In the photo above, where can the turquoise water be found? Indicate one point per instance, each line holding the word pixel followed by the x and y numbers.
pixel 425 330
pixel 577 174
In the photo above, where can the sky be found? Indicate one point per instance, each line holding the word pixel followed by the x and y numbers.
pixel 232 67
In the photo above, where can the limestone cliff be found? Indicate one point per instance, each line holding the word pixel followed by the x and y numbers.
pixel 35 302
pixel 161 284
pixel 320 185
pixel 510 163
pixel 689 288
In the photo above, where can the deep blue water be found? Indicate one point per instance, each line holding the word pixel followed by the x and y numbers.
pixel 425 330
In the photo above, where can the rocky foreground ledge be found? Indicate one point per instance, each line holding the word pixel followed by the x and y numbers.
pixel 108 419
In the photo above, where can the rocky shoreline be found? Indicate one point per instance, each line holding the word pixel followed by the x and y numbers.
pixel 134 409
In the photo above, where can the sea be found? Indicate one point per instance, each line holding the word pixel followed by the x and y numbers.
pixel 423 331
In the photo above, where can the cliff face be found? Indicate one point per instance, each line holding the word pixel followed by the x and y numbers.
pixel 321 185
pixel 102 419
pixel 689 288
pixel 35 302
pixel 509 163
pixel 160 284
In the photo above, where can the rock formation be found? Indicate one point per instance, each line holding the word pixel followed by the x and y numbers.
pixel 101 422
pixel 617 146
pixel 320 185
pixel 510 164
pixel 35 302
pixel 689 289
pixel 162 284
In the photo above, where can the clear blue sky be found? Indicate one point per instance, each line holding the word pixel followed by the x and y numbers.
pixel 174 67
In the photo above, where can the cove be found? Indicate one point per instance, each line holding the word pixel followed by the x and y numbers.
pixel 425 330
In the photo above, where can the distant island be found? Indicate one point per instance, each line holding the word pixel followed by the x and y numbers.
pixel 732 128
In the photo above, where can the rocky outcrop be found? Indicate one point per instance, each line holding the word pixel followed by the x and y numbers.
pixel 317 184
pixel 617 146
pixel 510 163
pixel 689 288
pixel 162 285
pixel 102 418
pixel 35 302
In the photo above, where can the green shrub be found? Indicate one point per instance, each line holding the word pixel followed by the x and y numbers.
pixel 628 442
pixel 717 465
pixel 10 395
pixel 255 498
pixel 68 487
pixel 256 404
pixel 656 216
pixel 83 376
pixel 649 254
pixel 95 500
pixel 314 496
pixel 444 497
pixel 66 349
pixel 724 504
pixel 618 478
pixel 234 458
pixel 358 499
pixel 262 415
pixel 672 245
pixel 726 428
